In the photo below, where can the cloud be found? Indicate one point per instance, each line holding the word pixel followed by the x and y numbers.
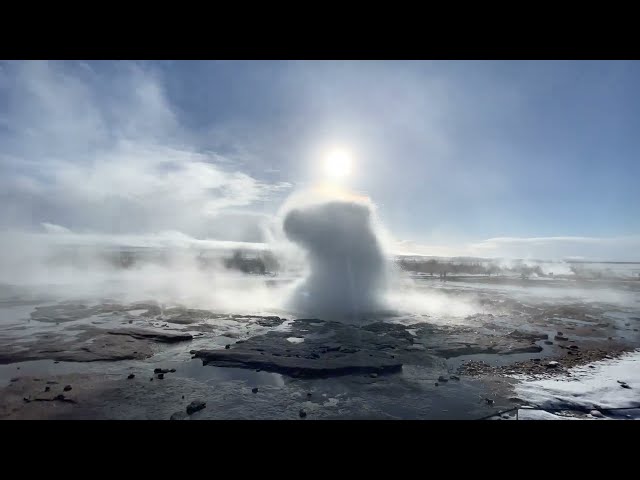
pixel 104 152
pixel 51 228
pixel 55 235
pixel 624 248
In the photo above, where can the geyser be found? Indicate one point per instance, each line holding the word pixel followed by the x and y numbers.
pixel 347 274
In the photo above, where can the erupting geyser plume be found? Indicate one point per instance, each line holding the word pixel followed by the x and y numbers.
pixel 347 265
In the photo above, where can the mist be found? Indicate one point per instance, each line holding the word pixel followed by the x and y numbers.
pixel 347 273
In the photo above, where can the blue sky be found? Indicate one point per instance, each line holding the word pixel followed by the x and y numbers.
pixel 494 157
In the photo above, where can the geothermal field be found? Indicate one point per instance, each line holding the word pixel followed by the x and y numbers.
pixel 323 323
pixel 319 239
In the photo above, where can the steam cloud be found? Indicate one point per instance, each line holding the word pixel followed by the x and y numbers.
pixel 347 266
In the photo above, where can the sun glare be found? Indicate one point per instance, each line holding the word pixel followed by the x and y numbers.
pixel 337 164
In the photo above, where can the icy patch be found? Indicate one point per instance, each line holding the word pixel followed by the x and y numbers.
pixel 611 384
pixel 526 414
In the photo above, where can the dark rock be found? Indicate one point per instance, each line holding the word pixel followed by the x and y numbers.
pixel 161 370
pixel 173 370
pixel 489 401
pixel 310 366
pixel 161 376
pixel 548 342
pixel 254 390
pixel 131 375
pixel 528 335
pixel 624 385
pixel 553 364
pixel 164 337
pixel 178 416
pixel 574 347
pixel 46 389
pixel 454 377
pixel 302 413
pixel 195 406
pixel 227 347
pixel 67 388
pixel 436 384
pixel 373 375
pixel 308 394
pixel 442 379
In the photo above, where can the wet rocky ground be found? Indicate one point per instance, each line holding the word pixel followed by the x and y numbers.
pixel 111 360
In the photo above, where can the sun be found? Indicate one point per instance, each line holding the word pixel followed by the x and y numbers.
pixel 337 164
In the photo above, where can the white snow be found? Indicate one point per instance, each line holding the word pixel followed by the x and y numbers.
pixel 527 414
pixel 591 388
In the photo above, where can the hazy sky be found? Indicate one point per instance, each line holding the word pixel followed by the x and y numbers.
pixel 533 159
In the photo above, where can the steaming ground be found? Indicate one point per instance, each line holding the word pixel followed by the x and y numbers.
pixel 434 330
pixel 340 334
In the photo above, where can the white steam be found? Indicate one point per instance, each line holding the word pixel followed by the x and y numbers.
pixel 347 275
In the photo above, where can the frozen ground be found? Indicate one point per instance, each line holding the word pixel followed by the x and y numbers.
pixel 603 388
pixel 461 349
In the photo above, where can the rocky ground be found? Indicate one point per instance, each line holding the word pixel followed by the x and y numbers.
pixel 109 360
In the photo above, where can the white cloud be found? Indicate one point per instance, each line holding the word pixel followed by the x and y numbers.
pixel 51 228
pixel 106 154
pixel 626 248
pixel 539 248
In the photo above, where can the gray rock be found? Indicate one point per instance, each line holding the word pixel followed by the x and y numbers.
pixel 195 406
pixel 363 350
pixel 164 337
pixel 179 416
